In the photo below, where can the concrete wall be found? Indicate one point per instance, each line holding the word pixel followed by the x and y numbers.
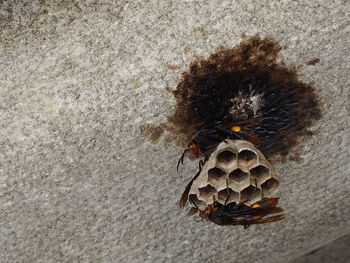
pixel 336 251
pixel 78 182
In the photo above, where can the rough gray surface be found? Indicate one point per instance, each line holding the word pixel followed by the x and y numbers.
pixel 337 251
pixel 79 183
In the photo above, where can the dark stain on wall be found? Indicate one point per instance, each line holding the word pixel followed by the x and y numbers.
pixel 240 83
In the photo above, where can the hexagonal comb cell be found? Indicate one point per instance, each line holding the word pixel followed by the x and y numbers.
pixel 226 158
pixel 207 191
pixel 261 172
pixel 238 176
pixel 247 157
pixel 250 194
pixel 233 196
pixel 270 186
pixel 216 176
pixel 194 199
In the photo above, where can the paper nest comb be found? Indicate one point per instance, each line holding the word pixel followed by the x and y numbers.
pixel 238 169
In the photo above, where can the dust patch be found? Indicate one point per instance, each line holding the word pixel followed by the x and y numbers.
pixel 313 62
pixel 153 132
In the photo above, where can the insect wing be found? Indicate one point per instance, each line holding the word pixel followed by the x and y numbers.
pixel 192 211
pixel 261 208
pixel 256 213
pixel 184 197
pixel 247 123
pixel 260 220
pixel 244 133
pixel 250 136
pixel 267 202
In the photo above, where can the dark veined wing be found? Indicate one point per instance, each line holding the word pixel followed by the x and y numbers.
pixel 246 123
pixel 249 135
pixel 264 207
pixel 193 211
pixel 244 133
pixel 260 220
pixel 184 197
pixel 255 214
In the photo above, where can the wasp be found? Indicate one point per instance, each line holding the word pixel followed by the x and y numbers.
pixel 261 212
pixel 206 140
pixel 234 213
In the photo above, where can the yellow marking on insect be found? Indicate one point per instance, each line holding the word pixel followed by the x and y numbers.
pixel 235 128
pixel 255 206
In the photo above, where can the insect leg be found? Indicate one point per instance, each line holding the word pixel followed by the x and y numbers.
pixel 181 160
pixel 184 196
pixel 228 192
pixel 201 163
pixel 256 187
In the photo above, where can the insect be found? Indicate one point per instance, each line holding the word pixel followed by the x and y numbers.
pixel 241 214
pixel 184 197
pixel 234 213
pixel 205 141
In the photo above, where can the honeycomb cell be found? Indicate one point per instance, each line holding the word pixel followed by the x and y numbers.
pixel 247 157
pixel 238 176
pixel 216 176
pixel 194 199
pixel 207 191
pixel 233 196
pixel 260 172
pixel 226 158
pixel 250 194
pixel 270 186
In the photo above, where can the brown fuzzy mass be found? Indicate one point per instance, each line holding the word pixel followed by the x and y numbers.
pixel 313 62
pixel 206 93
pixel 153 132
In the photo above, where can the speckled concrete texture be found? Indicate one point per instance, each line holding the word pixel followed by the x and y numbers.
pixel 78 181
pixel 337 251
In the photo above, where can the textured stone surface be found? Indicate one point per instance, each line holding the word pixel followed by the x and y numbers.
pixel 78 182
pixel 336 251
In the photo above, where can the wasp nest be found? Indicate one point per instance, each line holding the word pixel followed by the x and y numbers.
pixel 237 172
